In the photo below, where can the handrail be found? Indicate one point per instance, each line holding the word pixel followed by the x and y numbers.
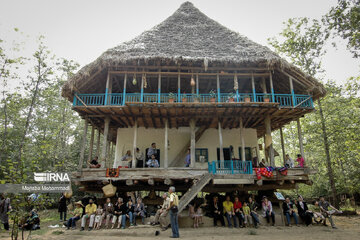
pixel 230 167
pixel 119 99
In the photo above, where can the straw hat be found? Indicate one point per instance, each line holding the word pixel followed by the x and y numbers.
pixel 79 203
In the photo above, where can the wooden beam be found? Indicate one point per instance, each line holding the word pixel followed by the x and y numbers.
pixel 134 144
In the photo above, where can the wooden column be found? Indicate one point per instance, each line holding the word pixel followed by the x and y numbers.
pixel 265 157
pixel 108 90
pixel 98 143
pixel 292 90
pixel 133 165
pixel 142 89
pixel 192 142
pixel 159 88
pixel 83 145
pixel 108 152
pixel 300 138
pixel 179 87
pixel 197 84
pixel 253 87
pixel 257 150
pixel 242 140
pixel 268 133
pixel 91 148
pixel 166 145
pixel 218 88
pixel 282 145
pixel 272 88
pixel 237 90
pixel 112 154
pixel 124 90
pixel 263 85
pixel 105 141
pixel 220 140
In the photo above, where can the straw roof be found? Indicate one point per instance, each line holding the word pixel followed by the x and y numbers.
pixel 187 36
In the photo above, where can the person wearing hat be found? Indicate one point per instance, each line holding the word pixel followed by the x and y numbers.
pixel 77 213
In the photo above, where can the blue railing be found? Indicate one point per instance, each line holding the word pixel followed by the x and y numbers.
pixel 230 167
pixel 284 100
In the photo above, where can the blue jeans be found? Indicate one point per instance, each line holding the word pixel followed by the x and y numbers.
pixel 174 224
pixel 228 218
pixel 255 218
pixel 72 222
pixel 123 220
pixel 293 214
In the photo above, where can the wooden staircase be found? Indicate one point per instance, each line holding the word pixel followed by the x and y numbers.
pixel 197 186
pixel 179 159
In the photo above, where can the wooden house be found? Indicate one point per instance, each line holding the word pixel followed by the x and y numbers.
pixel 189 83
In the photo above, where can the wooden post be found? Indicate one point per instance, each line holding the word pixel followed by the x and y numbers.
pixel 253 87
pixel 108 151
pixel 159 88
pixel 272 88
pixel 124 90
pixel 242 141
pixel 112 153
pixel 257 150
pixel 265 157
pixel 133 165
pixel 197 84
pixel 108 90
pixel 292 90
pixel 268 133
pixel 98 143
pixel 104 147
pixel 220 141
pixel 192 143
pixel 82 151
pixel 263 85
pixel 218 87
pixel 166 146
pixel 237 90
pixel 179 87
pixel 91 142
pixel 282 145
pixel 300 138
pixel 142 89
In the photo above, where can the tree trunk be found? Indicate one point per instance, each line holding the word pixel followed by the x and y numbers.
pixel 328 160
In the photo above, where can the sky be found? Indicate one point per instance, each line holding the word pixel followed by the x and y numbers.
pixel 82 30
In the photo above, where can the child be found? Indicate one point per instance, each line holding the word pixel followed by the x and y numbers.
pixel 98 217
pixel 199 214
pixel 247 216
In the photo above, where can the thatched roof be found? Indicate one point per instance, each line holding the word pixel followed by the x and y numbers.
pixel 186 36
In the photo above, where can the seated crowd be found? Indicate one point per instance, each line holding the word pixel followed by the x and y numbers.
pixel 151 161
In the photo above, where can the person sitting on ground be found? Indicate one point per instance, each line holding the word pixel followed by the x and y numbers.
pixel 229 211
pixel 32 222
pixel 153 162
pixel 90 211
pixel 268 210
pixel 98 217
pixel 301 161
pixel 94 163
pixel 303 211
pixel 324 207
pixel 78 211
pixel 238 213
pixel 139 211
pixel 119 210
pixel 108 212
pixel 289 212
pixel 253 208
pixel 139 158
pixel 129 214
pixel 289 162
pixel 161 214
pixel 188 158
pixel 247 217
pixel 262 164
pixel 152 150
pixel 126 159
pixel 216 210
pixel 317 215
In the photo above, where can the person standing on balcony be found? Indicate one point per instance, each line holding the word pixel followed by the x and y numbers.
pixel 289 162
pixel 126 159
pixel 139 158
pixel 153 163
pixel 300 161
pixel 173 208
pixel 152 151
pixel 188 159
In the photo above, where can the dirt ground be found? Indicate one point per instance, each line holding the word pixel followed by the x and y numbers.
pixel 348 228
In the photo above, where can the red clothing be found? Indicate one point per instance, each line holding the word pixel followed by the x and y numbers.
pixel 237 205
pixel 301 161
